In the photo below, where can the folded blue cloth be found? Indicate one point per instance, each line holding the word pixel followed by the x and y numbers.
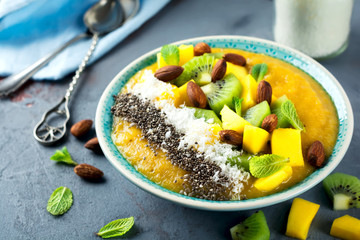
pixel 30 29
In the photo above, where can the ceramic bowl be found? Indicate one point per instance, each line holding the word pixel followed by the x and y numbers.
pixel 103 122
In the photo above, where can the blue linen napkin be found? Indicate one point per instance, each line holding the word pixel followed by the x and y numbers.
pixel 30 29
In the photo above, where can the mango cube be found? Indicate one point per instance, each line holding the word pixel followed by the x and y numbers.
pixel 215 128
pixel 232 121
pixel 346 227
pixel 186 53
pixel 160 60
pixel 255 139
pixel 239 71
pixel 271 182
pixel 249 92
pixel 301 214
pixel 183 96
pixel 286 142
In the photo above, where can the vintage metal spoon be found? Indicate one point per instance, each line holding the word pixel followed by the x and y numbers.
pixel 102 18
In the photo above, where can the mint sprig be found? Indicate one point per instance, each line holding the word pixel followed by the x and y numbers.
pixel 266 165
pixel 258 71
pixel 170 54
pixel 116 228
pixel 60 201
pixel 63 156
pixel 289 111
pixel 237 103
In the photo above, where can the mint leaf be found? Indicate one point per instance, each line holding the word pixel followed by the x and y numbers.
pixel 265 165
pixel 63 156
pixel 170 54
pixel 289 111
pixel 116 228
pixel 60 201
pixel 237 103
pixel 258 71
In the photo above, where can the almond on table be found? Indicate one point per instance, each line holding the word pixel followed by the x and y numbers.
pixel 82 127
pixel 93 145
pixel 88 171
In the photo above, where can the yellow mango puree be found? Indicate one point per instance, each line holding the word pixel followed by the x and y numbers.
pixel 312 103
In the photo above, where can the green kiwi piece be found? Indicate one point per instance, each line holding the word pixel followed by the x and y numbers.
pixel 343 190
pixel 209 115
pixel 222 92
pixel 218 55
pixel 256 114
pixel 237 104
pixel 253 228
pixel 241 161
pixel 199 69
pixel 283 121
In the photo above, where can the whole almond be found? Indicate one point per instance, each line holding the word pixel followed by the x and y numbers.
pixel 219 70
pixel 82 127
pixel 87 171
pixel 201 48
pixel 93 145
pixel 316 154
pixel 269 123
pixel 196 95
pixel 235 59
pixel 168 73
pixel 264 92
pixel 231 137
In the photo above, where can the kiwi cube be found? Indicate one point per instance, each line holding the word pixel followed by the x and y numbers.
pixel 256 114
pixel 283 121
pixel 209 115
pixel 222 92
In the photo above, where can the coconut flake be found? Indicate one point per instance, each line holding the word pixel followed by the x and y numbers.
pixel 197 132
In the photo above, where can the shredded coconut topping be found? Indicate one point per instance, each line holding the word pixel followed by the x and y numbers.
pixel 197 133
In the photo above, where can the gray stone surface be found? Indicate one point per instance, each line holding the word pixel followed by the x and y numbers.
pixel 28 177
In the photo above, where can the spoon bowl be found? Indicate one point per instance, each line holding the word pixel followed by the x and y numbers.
pixel 104 17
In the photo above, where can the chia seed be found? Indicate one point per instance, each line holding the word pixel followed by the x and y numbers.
pixel 160 135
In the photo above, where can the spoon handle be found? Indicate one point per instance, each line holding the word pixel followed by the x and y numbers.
pixel 46 132
pixel 82 66
pixel 13 82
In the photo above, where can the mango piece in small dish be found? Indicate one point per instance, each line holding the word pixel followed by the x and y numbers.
pixel 255 139
pixel 271 182
pixel 286 142
pixel 301 214
pixel 346 227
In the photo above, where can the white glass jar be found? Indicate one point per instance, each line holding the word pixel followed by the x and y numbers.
pixel 319 28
